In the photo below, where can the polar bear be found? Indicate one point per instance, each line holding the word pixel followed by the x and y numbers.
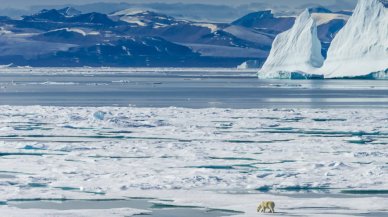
pixel 266 205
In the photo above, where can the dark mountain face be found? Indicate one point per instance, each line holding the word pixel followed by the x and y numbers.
pixel 327 32
pixel 223 38
pixel 385 2
pixel 67 16
pixel 184 32
pixel 145 18
pixel 92 18
pixel 254 19
pixel 320 10
pixel 137 51
pixel 265 21
pixel 46 15
pixel 69 36
pixel 349 13
pixel 4 18
pixel 69 12
pixel 153 46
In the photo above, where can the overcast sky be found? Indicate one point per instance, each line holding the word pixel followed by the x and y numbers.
pixel 27 3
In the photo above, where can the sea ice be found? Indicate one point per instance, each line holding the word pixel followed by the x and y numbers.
pixel 215 158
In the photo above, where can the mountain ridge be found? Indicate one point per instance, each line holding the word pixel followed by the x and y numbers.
pixel 35 39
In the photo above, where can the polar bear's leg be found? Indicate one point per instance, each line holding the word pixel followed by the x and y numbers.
pixel 271 209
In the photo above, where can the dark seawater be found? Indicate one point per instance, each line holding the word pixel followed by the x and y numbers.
pixel 154 209
pixel 189 89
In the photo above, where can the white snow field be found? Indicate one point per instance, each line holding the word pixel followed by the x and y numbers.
pixel 359 50
pixel 310 162
pixel 296 51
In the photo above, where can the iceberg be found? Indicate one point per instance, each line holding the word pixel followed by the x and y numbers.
pixel 295 53
pixel 250 64
pixel 360 49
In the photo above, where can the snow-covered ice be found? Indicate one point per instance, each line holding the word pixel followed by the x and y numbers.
pixel 296 51
pixel 359 50
pixel 217 158
pixel 361 47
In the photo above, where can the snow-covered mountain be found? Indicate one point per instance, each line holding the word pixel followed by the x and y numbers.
pixel 70 35
pixel 46 15
pixel 361 47
pixel 45 37
pixel 132 51
pixel 144 18
pixel 265 21
pixel 294 52
pixel 69 11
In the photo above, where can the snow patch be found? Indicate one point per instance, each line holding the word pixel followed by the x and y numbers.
pixel 76 30
pixel 133 20
pixel 4 31
pixel 212 27
pixel 323 18
pixel 129 12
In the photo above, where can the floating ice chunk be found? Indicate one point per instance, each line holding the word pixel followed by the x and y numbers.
pixel 361 47
pixel 35 147
pixel 338 166
pixel 250 64
pixel 99 115
pixel 295 53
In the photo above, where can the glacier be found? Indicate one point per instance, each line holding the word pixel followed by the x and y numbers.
pixel 295 52
pixel 361 47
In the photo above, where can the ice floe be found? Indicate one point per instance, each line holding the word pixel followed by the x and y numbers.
pixel 215 158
